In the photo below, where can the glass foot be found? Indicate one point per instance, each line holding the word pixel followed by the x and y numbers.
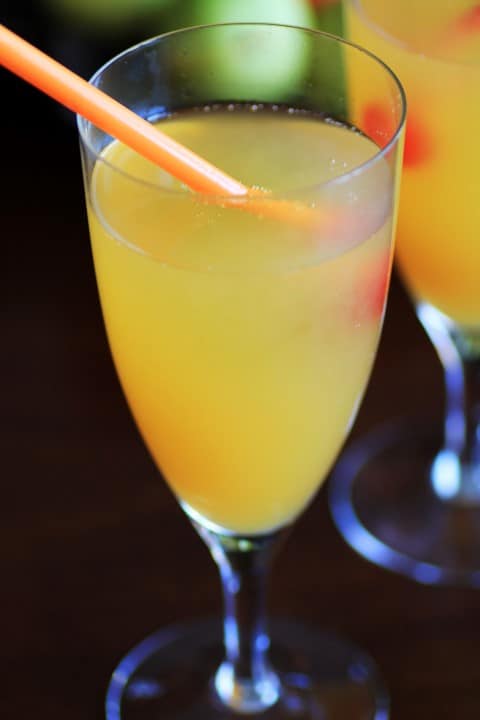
pixel 169 675
pixel 383 503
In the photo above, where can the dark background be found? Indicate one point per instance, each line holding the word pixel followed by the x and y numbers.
pixel 95 553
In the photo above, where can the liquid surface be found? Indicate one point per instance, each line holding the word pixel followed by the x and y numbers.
pixel 243 346
pixel 434 47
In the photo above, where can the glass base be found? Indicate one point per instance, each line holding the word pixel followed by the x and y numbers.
pixel 170 675
pixel 383 503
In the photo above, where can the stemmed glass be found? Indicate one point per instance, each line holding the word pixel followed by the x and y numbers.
pixel 244 340
pixel 408 497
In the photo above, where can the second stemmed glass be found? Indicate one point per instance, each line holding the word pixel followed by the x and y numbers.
pixel 244 338
pixel 409 499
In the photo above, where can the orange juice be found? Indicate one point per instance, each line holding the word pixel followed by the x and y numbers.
pixel 243 343
pixel 434 47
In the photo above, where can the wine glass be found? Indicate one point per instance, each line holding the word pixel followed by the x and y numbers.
pixel 408 497
pixel 244 339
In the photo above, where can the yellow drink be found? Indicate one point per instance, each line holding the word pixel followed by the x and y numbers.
pixel 434 47
pixel 243 343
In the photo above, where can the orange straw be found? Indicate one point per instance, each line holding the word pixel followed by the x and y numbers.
pixel 112 117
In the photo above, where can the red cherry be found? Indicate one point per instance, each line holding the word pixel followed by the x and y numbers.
pixel 469 22
pixel 373 287
pixel 418 142
pixel 378 124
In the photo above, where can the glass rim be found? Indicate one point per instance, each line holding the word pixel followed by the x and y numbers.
pixel 83 123
pixel 359 6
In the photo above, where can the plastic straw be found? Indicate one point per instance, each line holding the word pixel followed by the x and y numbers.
pixel 112 117
pixel 72 91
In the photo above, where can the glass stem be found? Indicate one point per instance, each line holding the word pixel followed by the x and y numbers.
pixel 455 472
pixel 245 681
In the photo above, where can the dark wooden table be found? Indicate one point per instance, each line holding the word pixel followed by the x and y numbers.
pixel 94 551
